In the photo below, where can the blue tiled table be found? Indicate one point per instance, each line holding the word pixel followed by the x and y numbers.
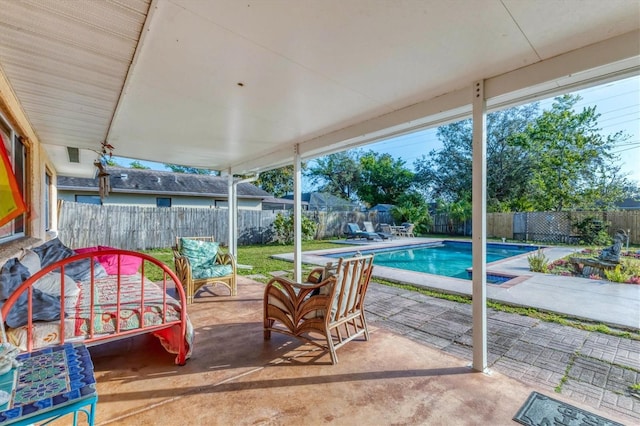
pixel 50 383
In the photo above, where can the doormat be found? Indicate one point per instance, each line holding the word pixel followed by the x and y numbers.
pixel 542 410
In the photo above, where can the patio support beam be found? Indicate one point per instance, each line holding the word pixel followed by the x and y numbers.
pixel 233 229
pixel 297 213
pixel 479 233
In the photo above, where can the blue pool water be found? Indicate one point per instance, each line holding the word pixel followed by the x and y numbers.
pixel 450 258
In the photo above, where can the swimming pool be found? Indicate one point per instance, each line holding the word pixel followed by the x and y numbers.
pixel 448 258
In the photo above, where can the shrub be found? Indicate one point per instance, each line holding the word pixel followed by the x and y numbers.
pixel 616 275
pixel 634 280
pixel 630 267
pixel 283 228
pixel 593 231
pixel 538 262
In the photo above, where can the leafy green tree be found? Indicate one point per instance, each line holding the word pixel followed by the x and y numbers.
pixel 446 173
pixel 572 163
pixel 111 162
pixel 458 212
pixel 176 168
pixel 383 179
pixel 411 207
pixel 338 174
pixel 278 182
pixel 138 165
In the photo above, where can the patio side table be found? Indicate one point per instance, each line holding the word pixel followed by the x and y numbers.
pixel 50 383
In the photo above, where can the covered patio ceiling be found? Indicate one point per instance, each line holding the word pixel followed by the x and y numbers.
pixel 235 86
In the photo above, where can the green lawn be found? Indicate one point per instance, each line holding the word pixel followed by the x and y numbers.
pixel 257 256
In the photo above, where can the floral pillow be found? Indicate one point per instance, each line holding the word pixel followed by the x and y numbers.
pixel 199 252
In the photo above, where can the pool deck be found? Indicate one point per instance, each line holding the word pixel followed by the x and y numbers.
pixel 617 305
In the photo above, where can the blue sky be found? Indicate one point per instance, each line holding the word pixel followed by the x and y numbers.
pixel 617 102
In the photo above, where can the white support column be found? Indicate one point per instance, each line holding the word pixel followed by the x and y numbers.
pixel 297 214
pixel 479 234
pixel 233 229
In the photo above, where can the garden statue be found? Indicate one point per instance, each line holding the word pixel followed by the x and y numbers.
pixel 612 253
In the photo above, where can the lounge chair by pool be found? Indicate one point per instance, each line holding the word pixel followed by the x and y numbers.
pixel 354 231
pixel 368 226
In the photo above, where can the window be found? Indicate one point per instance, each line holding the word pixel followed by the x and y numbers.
pixel 47 200
pixel 88 199
pixel 17 153
pixel 163 202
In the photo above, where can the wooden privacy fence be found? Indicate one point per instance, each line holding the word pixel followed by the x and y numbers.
pixel 559 227
pixel 556 227
pixel 141 228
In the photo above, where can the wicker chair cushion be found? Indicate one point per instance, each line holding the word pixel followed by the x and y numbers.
pixel 211 271
pixel 199 253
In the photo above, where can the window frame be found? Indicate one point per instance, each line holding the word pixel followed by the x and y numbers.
pixel 88 199
pixel 17 152
pixel 158 202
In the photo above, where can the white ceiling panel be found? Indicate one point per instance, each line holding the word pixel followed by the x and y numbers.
pixel 66 62
pixel 359 44
pixel 576 23
pixel 236 84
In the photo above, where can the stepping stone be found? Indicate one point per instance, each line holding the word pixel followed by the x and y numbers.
pixel 255 277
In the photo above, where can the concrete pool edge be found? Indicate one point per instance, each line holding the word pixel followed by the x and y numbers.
pixel 613 304
pixel 320 258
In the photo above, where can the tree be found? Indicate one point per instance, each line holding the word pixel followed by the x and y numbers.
pixel 138 165
pixel 184 169
pixel 572 162
pixel 278 182
pixel 338 174
pixel 383 179
pixel 458 212
pixel 411 207
pixel 446 174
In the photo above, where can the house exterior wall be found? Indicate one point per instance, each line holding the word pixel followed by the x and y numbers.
pixel 244 204
pixel 149 200
pixel 37 165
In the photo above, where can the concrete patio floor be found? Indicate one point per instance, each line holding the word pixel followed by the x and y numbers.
pixel 235 377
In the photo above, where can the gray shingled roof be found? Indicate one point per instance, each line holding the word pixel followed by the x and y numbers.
pixel 157 182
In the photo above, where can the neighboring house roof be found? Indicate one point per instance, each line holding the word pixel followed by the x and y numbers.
pixel 280 204
pixel 382 207
pixel 144 181
pixel 305 197
pixel 325 201
pixel 275 200
pixel 629 204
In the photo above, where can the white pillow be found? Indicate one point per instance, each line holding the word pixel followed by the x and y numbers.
pixel 51 284
pixel 31 261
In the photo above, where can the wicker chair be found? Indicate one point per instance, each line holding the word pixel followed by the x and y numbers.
pixel 185 272
pixel 327 308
